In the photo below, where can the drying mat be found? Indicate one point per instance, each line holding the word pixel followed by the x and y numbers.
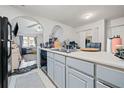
pixel 89 49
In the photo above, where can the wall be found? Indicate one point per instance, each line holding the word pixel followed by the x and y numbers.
pixel 107 29
pixel 96 29
pixel 11 12
pixel 49 25
pixel 116 27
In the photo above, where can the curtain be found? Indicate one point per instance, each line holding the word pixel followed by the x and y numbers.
pixel 35 39
pixel 21 43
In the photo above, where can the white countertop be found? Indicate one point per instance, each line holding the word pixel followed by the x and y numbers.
pixel 102 58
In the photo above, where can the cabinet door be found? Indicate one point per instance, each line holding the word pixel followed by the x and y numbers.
pixel 75 79
pixel 50 63
pixel 113 76
pixel 59 74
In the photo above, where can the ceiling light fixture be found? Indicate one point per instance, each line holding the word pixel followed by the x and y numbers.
pixel 39 29
pixel 87 16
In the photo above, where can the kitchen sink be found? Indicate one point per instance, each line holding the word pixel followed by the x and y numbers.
pixel 64 50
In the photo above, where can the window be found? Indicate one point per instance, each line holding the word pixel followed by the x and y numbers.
pixel 29 42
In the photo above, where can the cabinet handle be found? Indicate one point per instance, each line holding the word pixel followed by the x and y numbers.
pixel 10 40
pixel 105 84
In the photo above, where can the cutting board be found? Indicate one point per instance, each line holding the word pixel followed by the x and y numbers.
pixel 89 49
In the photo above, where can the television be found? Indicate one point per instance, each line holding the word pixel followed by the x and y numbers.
pixel 15 31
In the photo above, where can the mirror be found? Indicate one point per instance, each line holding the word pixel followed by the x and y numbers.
pixel 15 31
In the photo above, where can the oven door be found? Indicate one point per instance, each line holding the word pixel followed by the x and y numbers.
pixel 43 61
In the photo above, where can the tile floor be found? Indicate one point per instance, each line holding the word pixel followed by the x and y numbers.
pixel 33 79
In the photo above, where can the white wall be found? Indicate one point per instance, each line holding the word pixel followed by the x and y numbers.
pixel 96 30
pixel 48 27
pixel 106 29
pixel 116 27
pixel 12 12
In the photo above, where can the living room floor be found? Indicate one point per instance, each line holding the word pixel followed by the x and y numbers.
pixel 29 57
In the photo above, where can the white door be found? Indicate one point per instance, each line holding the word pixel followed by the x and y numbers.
pixel 50 63
pixel 59 74
pixel 75 79
pixel 95 35
pixel 82 39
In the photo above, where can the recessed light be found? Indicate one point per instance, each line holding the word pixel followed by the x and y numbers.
pixel 87 16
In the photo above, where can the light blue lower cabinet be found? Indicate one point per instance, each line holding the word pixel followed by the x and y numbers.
pixel 110 75
pixel 50 67
pixel 59 74
pixel 73 73
pixel 76 79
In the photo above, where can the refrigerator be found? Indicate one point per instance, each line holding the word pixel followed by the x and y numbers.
pixel 5 52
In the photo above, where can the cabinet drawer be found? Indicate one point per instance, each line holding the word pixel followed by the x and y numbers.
pixel 110 75
pixel 80 65
pixel 49 54
pixel 59 58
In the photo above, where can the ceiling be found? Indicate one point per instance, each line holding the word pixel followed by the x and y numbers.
pixel 72 15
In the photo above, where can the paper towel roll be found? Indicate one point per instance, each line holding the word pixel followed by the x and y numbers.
pixel 109 45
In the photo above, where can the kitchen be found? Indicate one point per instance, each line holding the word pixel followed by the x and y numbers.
pixel 84 69
pixel 84 48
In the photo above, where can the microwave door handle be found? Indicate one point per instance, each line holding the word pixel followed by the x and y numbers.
pixel 10 40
